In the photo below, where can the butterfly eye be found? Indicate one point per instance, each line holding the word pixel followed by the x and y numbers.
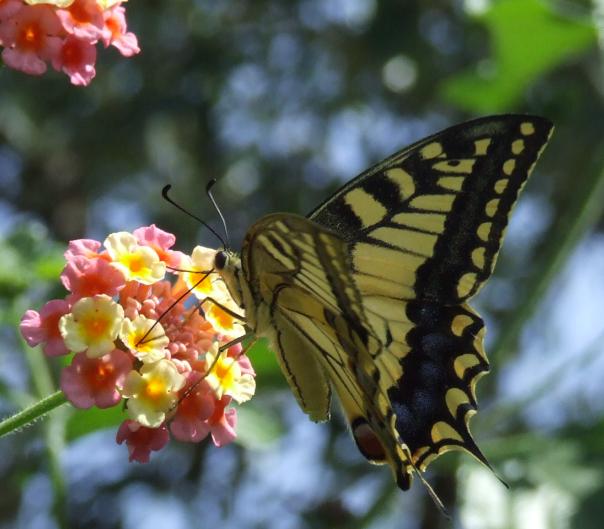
pixel 220 260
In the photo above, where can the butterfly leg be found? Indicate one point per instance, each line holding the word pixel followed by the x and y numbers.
pixel 222 307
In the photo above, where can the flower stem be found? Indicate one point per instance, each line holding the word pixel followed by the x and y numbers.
pixel 32 413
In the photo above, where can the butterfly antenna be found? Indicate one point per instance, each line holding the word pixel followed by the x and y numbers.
pixel 211 197
pixel 164 193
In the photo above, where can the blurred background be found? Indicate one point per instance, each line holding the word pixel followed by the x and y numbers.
pixel 282 102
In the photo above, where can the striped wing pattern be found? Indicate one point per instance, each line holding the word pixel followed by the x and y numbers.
pixel 301 276
pixel 423 229
pixel 369 297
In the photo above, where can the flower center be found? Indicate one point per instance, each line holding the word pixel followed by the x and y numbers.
pixel 226 372
pixel 223 318
pixel 100 375
pixel 133 262
pixel 155 388
pixel 95 327
pixel 30 37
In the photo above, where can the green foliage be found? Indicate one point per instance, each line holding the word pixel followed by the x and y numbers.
pixel 268 373
pixel 28 259
pixel 528 38
pixel 84 422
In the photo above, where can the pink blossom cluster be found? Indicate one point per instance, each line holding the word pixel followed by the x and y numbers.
pixel 63 33
pixel 140 341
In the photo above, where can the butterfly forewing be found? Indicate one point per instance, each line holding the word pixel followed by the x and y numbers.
pixel 438 209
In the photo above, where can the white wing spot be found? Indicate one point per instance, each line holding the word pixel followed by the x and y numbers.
pixel 484 230
pixel 517 146
pixel 509 166
pixel 432 150
pixel 455 166
pixel 481 146
pixel 369 210
pixel 403 180
pixel 491 207
pixel 501 185
pixel 527 128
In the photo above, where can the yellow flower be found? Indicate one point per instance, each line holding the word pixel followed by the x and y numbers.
pixel 57 3
pixel 149 348
pixel 152 392
pixel 136 262
pixel 92 325
pixel 200 261
pixel 221 320
pixel 106 4
pixel 225 376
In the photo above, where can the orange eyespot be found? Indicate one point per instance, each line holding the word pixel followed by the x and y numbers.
pixel 368 442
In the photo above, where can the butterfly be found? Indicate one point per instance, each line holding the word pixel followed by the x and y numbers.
pixel 367 296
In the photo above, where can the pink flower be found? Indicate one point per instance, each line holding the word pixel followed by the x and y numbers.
pixel 190 420
pixel 83 19
pixel 116 34
pixel 85 277
pixel 76 58
pixel 9 7
pixel 245 364
pixel 161 241
pixel 86 247
pixel 222 423
pixel 189 338
pixel 95 381
pixel 140 440
pixel 137 299
pixel 43 327
pixel 31 37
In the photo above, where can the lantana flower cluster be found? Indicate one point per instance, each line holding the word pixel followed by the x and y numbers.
pixel 63 33
pixel 146 342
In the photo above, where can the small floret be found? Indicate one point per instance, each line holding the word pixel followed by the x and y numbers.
pixel 136 262
pixel 92 325
pixel 145 338
pixel 43 327
pixel 96 381
pixel 152 392
pixel 226 378
pixel 141 440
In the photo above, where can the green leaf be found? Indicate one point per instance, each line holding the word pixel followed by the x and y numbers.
pixel 13 272
pixel 528 38
pixel 83 422
pixel 48 267
pixel 256 428
pixel 268 372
